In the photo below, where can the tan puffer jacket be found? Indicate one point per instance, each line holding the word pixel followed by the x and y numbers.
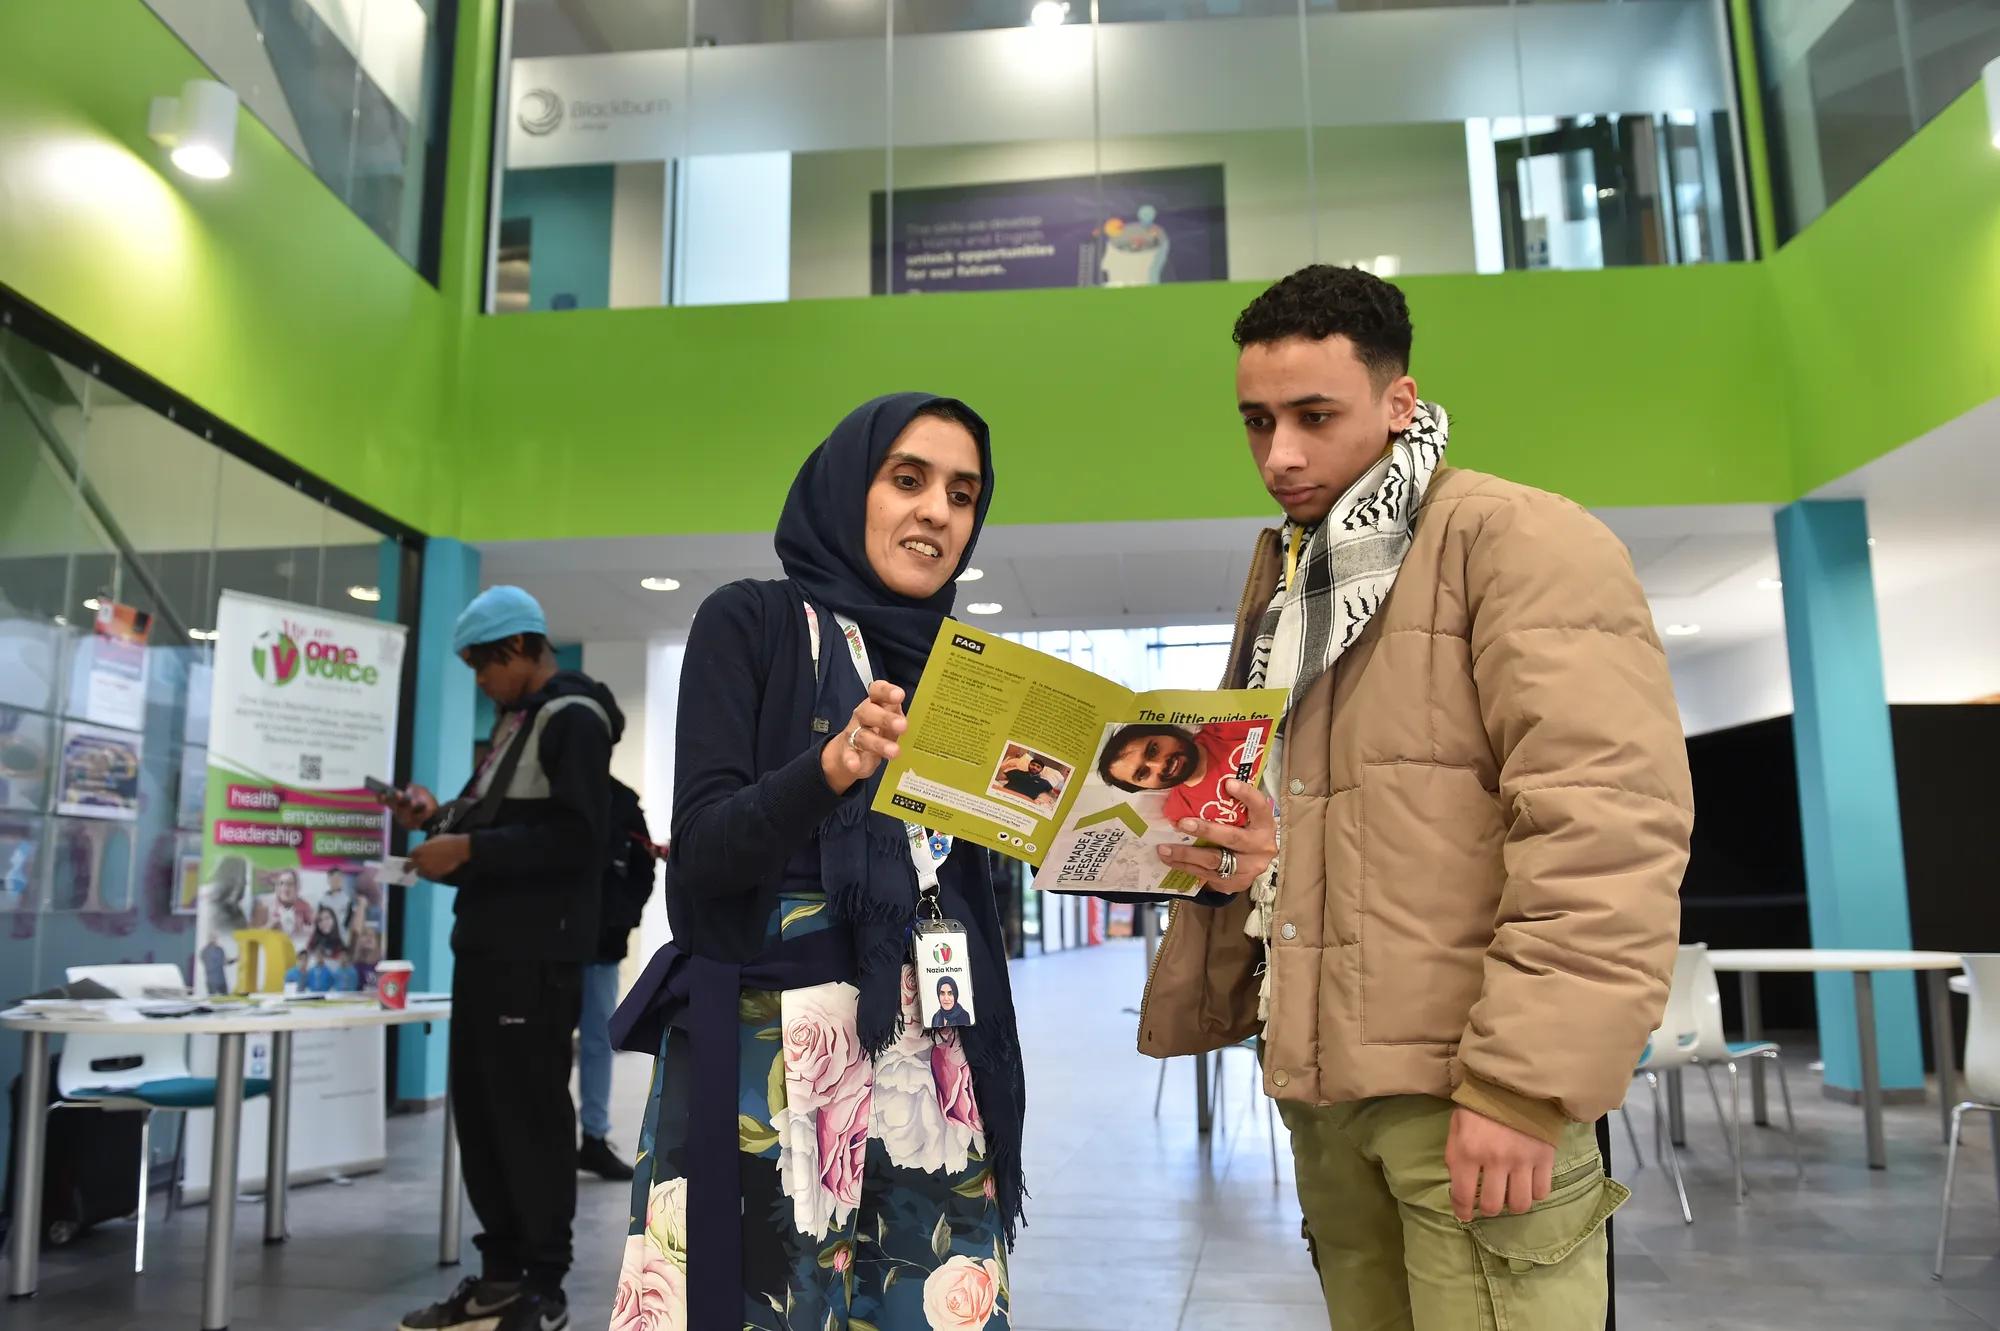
pixel 1485 817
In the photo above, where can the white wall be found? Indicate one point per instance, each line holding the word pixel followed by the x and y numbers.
pixel 1940 644
pixel 1941 640
pixel 1733 686
pixel 639 235
pixel 663 690
pixel 1013 84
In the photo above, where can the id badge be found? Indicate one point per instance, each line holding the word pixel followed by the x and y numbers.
pixel 944 974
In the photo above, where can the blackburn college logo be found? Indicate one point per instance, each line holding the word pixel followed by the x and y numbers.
pixel 541 112
pixel 275 657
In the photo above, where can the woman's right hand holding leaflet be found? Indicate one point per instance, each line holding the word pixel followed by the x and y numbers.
pixel 868 741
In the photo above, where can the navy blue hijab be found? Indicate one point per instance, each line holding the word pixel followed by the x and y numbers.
pixel 864 856
pixel 822 533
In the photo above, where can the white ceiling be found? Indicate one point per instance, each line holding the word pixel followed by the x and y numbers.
pixel 1931 506
pixel 1696 563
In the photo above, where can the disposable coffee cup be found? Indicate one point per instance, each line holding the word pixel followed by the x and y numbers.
pixel 392 984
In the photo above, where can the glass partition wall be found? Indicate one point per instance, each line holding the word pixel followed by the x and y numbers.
pixel 358 89
pixel 109 509
pixel 1847 82
pixel 696 152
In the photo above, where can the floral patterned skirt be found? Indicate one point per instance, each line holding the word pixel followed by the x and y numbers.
pixel 866 1201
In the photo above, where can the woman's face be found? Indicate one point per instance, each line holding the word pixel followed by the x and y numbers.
pixel 327 922
pixel 921 506
pixel 947 996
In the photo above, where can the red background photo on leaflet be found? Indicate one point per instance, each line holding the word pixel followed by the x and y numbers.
pixel 1222 745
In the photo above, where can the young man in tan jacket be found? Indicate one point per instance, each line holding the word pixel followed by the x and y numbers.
pixel 1482 797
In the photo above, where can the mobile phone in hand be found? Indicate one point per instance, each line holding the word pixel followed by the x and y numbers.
pixel 382 789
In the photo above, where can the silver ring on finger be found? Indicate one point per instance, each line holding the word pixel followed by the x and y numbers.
pixel 1226 866
pixel 854 739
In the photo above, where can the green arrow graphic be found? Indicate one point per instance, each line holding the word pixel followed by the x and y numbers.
pixel 1119 813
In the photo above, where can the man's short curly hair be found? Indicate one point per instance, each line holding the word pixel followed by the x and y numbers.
pixel 1323 301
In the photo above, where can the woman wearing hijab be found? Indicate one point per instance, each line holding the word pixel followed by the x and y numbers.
pixel 875 1165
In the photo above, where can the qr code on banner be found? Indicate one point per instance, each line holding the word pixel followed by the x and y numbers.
pixel 309 767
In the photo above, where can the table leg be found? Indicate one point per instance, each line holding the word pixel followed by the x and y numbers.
pixel 1871 1068
pixel 1677 1131
pixel 24 1248
pixel 1204 1111
pixel 224 1147
pixel 1753 1030
pixel 1944 1045
pixel 278 1158
pixel 451 1209
pixel 1994 1119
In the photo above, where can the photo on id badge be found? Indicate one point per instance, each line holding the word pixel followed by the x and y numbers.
pixel 944 975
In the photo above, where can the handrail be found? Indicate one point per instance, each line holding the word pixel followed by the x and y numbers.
pixel 66 461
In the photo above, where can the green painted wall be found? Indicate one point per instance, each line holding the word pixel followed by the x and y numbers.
pixel 1629 387
pixel 1888 301
pixel 260 296
pixel 263 299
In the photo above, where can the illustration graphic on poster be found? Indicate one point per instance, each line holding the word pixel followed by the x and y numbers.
pixel 100 774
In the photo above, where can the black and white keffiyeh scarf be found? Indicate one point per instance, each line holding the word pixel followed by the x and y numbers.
pixel 1349 562
pixel 1344 573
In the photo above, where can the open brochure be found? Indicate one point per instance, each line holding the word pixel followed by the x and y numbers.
pixel 1015 750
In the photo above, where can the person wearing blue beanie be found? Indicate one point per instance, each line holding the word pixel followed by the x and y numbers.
pixel 495 615
pixel 526 845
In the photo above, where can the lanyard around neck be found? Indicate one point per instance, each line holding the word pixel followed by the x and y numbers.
pixel 926 851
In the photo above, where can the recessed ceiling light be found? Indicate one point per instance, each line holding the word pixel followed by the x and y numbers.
pixel 1769 584
pixel 1682 630
pixel 93 604
pixel 368 594
pixel 202 635
pixel 1048 14
pixel 972 575
pixel 984 608
pixel 660 584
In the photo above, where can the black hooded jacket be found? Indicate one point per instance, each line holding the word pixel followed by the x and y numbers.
pixel 533 888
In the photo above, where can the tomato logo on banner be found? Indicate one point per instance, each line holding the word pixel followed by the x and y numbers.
pixel 275 657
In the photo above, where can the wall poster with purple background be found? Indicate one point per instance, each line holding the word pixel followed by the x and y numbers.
pixel 1127 228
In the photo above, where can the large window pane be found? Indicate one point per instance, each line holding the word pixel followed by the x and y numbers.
pixel 1846 84
pixel 675 151
pixel 356 88
pixel 113 517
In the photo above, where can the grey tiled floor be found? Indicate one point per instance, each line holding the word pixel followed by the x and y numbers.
pixel 1135 1222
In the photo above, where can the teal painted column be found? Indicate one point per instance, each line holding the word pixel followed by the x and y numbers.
pixel 1856 892
pixel 440 758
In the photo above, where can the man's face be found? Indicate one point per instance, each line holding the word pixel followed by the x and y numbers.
pixel 1315 419
pixel 288 888
pixel 505 682
pixel 1035 766
pixel 1155 762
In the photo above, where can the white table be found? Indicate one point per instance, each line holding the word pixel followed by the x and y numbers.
pixel 229 1027
pixel 1863 964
